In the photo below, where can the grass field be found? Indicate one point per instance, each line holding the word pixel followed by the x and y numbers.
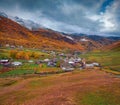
pixel 109 60
pixel 92 87
pixel 28 69
pixel 100 97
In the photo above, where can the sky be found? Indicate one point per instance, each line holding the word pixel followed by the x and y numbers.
pixel 72 16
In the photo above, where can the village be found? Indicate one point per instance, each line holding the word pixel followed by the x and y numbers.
pixel 60 60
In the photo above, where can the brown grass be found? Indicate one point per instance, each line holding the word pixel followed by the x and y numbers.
pixel 60 89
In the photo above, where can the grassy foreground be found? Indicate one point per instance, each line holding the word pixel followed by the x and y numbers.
pixel 92 87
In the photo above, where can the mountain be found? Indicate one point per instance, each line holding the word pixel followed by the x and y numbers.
pixel 15 34
pixel 48 33
pixel 115 38
pixel 26 23
pixel 3 14
pixel 114 46
pixel 100 39
pixel 91 42
pixel 22 30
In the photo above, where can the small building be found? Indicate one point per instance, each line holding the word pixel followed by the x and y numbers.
pixel 71 60
pixel 51 64
pixel 12 46
pixel 66 66
pixel 16 63
pixel 89 66
pixel 5 62
pixel 30 61
pixel 7 45
pixel 77 60
pixel 62 54
pixel 96 64
pixel 46 60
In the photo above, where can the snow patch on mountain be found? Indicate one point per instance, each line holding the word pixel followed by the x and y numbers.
pixel 3 14
pixel 69 37
pixel 26 23
pixel 84 40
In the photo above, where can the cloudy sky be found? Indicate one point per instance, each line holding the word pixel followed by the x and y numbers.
pixel 77 16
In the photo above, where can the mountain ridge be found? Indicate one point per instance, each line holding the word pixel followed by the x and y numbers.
pixel 27 30
pixel 13 33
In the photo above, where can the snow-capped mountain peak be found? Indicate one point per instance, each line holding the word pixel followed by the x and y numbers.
pixel 3 14
pixel 26 23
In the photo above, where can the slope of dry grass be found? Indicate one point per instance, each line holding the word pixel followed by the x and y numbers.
pixel 74 88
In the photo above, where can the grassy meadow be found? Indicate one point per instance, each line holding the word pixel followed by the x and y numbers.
pixel 109 60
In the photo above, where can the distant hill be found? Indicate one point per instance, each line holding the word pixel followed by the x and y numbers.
pixel 115 38
pixel 114 47
pixel 101 39
pixel 88 43
pixel 48 33
pixel 15 34
pixel 91 42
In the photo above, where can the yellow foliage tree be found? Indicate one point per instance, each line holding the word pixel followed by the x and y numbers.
pixel 26 56
pixel 35 55
pixel 13 53
pixel 19 55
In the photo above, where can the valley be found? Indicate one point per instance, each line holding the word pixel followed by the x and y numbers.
pixel 41 66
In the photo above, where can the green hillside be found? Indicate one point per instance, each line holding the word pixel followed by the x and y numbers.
pixel 108 59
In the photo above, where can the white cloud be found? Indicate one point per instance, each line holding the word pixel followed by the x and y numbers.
pixel 88 20
pixel 107 21
pixel 93 17
pixel 109 18
pixel 23 13
pixel 74 16
pixel 70 9
pixel 60 26
pixel 104 20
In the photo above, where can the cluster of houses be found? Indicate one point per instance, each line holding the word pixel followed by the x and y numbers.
pixel 65 61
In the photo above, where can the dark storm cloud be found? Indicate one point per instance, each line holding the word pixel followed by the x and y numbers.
pixel 90 16
pixel 30 5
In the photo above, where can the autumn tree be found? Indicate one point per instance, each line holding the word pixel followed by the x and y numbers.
pixel 13 53
pixel 19 55
pixel 35 55
pixel 26 56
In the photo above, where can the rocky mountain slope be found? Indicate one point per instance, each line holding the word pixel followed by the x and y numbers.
pixel 14 34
